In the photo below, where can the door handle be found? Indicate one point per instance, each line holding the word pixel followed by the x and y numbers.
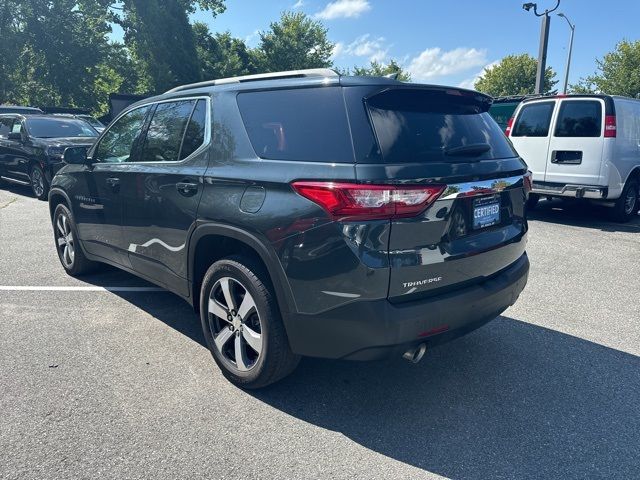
pixel 187 188
pixel 114 183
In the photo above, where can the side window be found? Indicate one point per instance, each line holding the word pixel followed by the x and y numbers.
pixel 194 135
pixel 5 126
pixel 306 124
pixel 120 140
pixel 579 118
pixel 533 120
pixel 17 127
pixel 166 129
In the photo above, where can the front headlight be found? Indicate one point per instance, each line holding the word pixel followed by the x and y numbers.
pixel 56 152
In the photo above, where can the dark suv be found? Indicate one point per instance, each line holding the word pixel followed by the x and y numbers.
pixel 305 213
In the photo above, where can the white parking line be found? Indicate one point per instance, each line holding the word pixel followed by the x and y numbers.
pixel 29 288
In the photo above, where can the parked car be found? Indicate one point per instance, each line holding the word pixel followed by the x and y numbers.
pixel 32 147
pixel 502 108
pixel 305 213
pixel 582 146
pixel 19 109
pixel 94 122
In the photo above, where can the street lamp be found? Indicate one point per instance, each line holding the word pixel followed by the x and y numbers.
pixel 544 41
pixel 566 70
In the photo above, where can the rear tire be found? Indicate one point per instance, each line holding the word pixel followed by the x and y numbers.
pixel 532 201
pixel 39 185
pixel 626 207
pixel 67 243
pixel 242 324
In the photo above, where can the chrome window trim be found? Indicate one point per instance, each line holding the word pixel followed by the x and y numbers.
pixel 197 151
pixel 481 187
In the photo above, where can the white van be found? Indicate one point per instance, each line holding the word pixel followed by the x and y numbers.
pixel 583 146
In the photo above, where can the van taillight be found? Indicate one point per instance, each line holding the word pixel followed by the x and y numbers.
pixel 355 201
pixel 610 126
pixel 507 131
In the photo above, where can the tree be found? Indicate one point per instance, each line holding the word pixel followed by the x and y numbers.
pixel 294 42
pixel 221 55
pixel 376 69
pixel 514 75
pixel 618 72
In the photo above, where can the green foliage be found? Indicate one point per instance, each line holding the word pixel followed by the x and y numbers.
pixel 294 42
pixel 618 72
pixel 222 55
pixel 514 75
pixel 376 69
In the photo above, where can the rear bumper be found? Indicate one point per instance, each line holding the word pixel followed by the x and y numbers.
pixel 369 330
pixel 594 192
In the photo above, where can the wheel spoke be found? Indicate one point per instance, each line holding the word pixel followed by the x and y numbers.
pixel 218 310
pixel 59 225
pixel 246 306
pixel 226 290
pixel 65 225
pixel 241 356
pixel 62 241
pixel 70 237
pixel 223 337
pixel 65 254
pixel 253 338
pixel 72 251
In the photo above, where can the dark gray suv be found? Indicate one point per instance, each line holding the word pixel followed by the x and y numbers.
pixel 305 213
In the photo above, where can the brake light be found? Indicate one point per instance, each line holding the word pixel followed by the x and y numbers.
pixel 507 131
pixel 528 181
pixel 366 202
pixel 610 126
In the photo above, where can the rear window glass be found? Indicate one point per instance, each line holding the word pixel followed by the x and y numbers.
pixel 579 118
pixel 303 124
pixel 533 120
pixel 435 126
pixel 166 130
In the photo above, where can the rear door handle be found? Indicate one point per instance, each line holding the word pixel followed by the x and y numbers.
pixel 187 188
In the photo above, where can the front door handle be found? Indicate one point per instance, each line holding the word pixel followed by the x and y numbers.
pixel 187 188
pixel 114 183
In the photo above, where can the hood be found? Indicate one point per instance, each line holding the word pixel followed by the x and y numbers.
pixel 65 142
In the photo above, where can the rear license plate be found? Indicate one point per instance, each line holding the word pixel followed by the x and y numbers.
pixel 486 212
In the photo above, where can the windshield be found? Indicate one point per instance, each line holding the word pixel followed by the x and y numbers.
pixel 91 121
pixel 441 125
pixel 59 128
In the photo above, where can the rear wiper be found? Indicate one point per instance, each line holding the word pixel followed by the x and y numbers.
pixel 472 150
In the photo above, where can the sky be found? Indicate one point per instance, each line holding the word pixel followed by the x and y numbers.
pixel 445 42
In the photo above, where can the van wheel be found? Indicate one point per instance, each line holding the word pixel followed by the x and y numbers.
pixel 68 246
pixel 626 207
pixel 242 325
pixel 38 182
pixel 532 201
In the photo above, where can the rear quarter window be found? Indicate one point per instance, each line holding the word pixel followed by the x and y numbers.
pixel 308 124
pixel 533 120
pixel 579 118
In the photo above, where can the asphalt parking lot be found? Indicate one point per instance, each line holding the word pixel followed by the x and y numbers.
pixel 116 382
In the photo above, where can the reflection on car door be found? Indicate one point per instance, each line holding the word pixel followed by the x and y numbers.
pixel 14 155
pixel 162 190
pixel 97 197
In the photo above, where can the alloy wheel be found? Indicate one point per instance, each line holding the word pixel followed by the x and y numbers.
pixel 65 241
pixel 234 323
pixel 630 201
pixel 37 182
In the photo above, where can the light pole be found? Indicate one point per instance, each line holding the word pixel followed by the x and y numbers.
pixel 566 70
pixel 544 41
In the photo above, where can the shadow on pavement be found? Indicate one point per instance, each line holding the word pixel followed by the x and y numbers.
pixel 580 214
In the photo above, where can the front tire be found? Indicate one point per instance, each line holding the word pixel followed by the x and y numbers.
pixel 39 184
pixel 242 325
pixel 68 247
pixel 626 207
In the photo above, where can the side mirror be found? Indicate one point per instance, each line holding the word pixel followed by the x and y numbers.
pixel 75 155
pixel 14 136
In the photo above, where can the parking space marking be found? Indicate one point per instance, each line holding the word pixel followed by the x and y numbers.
pixel 27 288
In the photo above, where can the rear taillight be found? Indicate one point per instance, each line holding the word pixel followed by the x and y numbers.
pixel 366 202
pixel 610 126
pixel 528 181
pixel 507 131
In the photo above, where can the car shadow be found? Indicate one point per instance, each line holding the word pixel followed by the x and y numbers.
pixel 579 213
pixel 16 188
pixel 510 400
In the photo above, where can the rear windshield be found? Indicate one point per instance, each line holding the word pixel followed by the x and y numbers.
pixel 533 120
pixel 417 126
pixel 59 128
pixel 307 124
pixel 579 118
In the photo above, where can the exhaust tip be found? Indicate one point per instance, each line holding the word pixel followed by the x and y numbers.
pixel 414 355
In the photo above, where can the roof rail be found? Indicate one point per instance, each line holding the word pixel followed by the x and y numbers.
pixel 311 72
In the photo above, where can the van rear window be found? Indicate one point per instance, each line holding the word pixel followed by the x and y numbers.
pixel 418 126
pixel 579 118
pixel 306 124
pixel 533 120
